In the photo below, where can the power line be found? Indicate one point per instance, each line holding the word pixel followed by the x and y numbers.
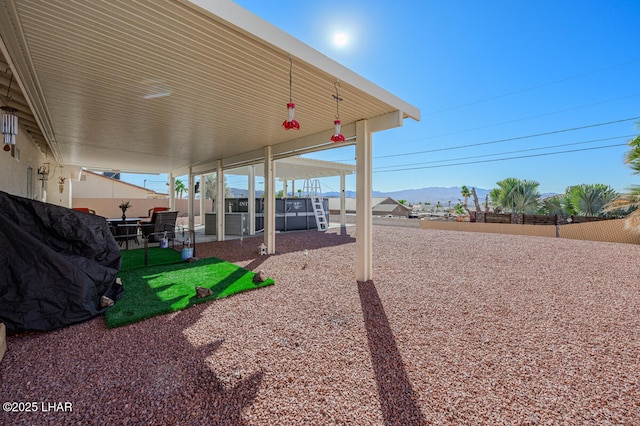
pixel 501 159
pixel 532 87
pixel 499 140
pixel 509 139
pixel 516 120
pixel 505 153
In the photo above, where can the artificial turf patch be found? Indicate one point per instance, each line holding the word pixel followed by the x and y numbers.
pixel 161 289
pixel 155 256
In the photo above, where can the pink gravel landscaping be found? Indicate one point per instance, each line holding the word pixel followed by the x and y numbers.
pixel 456 328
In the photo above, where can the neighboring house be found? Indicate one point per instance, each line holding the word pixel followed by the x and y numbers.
pixel 390 207
pixel 381 206
pixel 104 194
pixel 96 185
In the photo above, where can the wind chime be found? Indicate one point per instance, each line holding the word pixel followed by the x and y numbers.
pixel 291 123
pixel 9 121
pixel 337 136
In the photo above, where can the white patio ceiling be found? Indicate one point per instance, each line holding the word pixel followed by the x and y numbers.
pixel 163 86
pixel 294 168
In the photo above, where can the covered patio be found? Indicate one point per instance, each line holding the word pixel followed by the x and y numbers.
pixel 189 88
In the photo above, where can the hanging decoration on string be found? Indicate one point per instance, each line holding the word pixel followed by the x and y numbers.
pixel 337 136
pixel 9 121
pixel 291 123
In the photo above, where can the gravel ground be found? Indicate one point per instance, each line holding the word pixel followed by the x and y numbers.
pixel 456 328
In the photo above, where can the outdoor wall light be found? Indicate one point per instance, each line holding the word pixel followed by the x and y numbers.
pixel 43 172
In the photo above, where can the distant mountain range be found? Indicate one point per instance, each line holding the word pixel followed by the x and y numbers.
pixel 433 195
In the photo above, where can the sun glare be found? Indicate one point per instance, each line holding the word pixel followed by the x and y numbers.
pixel 340 39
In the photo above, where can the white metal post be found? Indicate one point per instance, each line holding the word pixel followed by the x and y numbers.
pixel 269 201
pixel 220 210
pixel 190 199
pixel 252 200
pixel 172 192
pixel 203 198
pixel 364 220
pixel 343 209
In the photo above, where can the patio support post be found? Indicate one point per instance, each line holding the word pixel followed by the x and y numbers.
pixel 220 210
pixel 203 199
pixel 364 220
pixel 343 209
pixel 191 191
pixel 269 201
pixel 172 192
pixel 285 187
pixel 252 200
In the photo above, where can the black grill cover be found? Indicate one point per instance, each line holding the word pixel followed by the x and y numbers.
pixel 55 264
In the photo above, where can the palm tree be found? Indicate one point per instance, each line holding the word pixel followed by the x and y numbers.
pixel 558 204
pixel 180 188
pixel 438 206
pixel 464 191
pixel 502 196
pixel 516 196
pixel 590 199
pixel 211 185
pixel 631 200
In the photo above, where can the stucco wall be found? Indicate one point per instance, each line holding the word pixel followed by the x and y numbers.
pixel 108 207
pixel 385 221
pixel 607 230
pixel 14 173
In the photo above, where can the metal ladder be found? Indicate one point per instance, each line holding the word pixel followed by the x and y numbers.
pixel 313 191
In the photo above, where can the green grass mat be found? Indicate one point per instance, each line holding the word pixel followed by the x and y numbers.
pixel 157 290
pixel 155 256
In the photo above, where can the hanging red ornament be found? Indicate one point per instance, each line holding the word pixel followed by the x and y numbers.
pixel 291 107
pixel 291 123
pixel 337 136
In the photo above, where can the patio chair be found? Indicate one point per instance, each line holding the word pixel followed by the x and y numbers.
pixel 153 210
pixel 160 223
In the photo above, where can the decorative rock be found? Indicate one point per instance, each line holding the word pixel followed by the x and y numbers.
pixel 259 277
pixel 106 301
pixel 203 292
pixel 191 260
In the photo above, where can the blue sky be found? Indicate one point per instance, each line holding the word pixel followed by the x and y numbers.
pixel 487 77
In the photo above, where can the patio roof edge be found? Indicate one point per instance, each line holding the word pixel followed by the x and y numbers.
pixel 268 33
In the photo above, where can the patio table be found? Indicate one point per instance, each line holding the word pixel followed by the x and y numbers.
pixel 125 230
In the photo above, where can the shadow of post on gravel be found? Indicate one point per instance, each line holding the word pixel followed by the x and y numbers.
pixel 397 398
